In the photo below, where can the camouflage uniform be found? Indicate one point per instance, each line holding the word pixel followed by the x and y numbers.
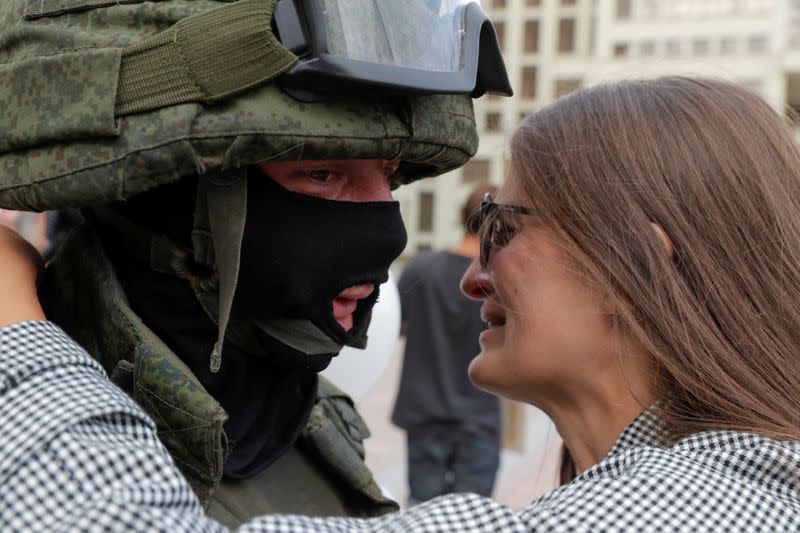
pixel 102 100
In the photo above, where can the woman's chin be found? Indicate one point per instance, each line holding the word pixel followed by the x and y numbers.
pixel 482 372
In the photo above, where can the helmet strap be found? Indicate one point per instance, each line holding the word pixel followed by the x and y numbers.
pixel 219 220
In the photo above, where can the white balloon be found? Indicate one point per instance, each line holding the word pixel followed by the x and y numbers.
pixel 356 371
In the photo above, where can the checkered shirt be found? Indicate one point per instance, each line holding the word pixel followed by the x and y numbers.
pixel 76 453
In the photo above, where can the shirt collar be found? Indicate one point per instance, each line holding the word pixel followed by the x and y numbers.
pixel 647 429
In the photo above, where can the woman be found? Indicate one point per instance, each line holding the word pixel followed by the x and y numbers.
pixel 662 265
pixel 654 263
pixel 640 284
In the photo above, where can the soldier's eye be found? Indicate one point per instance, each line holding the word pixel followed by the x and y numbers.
pixel 321 176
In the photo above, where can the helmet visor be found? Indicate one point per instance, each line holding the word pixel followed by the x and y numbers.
pixel 419 34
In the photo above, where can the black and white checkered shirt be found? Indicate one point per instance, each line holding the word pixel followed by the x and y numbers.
pixel 76 453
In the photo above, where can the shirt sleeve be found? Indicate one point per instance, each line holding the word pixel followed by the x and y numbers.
pixel 77 453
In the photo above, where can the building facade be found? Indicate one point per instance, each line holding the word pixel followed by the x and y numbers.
pixel 553 47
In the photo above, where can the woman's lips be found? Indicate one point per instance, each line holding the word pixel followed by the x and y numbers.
pixel 491 336
pixel 345 304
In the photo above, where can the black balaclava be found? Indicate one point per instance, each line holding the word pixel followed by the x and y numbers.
pixel 298 253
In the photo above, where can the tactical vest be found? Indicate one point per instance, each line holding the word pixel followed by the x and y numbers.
pixel 324 474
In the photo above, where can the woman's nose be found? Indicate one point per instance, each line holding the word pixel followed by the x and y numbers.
pixel 476 283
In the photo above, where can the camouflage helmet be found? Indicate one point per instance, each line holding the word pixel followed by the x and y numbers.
pixel 102 100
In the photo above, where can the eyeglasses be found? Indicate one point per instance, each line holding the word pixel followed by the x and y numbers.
pixel 495 225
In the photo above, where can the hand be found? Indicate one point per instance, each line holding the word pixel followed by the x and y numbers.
pixel 20 265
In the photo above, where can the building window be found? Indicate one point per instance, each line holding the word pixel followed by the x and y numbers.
pixel 566 35
pixel 727 46
pixel 494 121
pixel 647 49
pixel 531 36
pixel 757 44
pixel 424 248
pixel 499 4
pixel 476 171
pixel 425 222
pixel 533 3
pixel 566 86
pixel 500 30
pixel 567 2
pixel 523 115
pixel 529 82
pixel 700 47
pixel 621 50
pixel 623 9
pixel 673 48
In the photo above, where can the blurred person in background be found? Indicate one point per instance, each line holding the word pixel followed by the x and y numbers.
pixel 452 427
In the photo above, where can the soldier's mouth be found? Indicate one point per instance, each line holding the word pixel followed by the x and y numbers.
pixel 345 304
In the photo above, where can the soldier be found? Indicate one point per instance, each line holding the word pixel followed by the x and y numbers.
pixel 234 163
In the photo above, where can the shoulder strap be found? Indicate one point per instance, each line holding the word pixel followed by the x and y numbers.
pixel 335 434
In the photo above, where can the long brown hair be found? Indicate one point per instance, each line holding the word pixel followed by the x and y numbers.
pixel 719 171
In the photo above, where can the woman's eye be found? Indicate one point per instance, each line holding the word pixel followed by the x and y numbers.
pixel 506 230
pixel 321 176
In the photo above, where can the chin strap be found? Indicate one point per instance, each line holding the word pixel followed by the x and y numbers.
pixel 219 220
pixel 300 335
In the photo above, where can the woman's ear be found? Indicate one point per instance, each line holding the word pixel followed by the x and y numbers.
pixel 664 238
pixel 609 305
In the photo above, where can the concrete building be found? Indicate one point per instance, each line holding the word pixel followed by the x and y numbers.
pixel 555 46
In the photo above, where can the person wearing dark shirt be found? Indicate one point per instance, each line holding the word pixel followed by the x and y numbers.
pixel 453 428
